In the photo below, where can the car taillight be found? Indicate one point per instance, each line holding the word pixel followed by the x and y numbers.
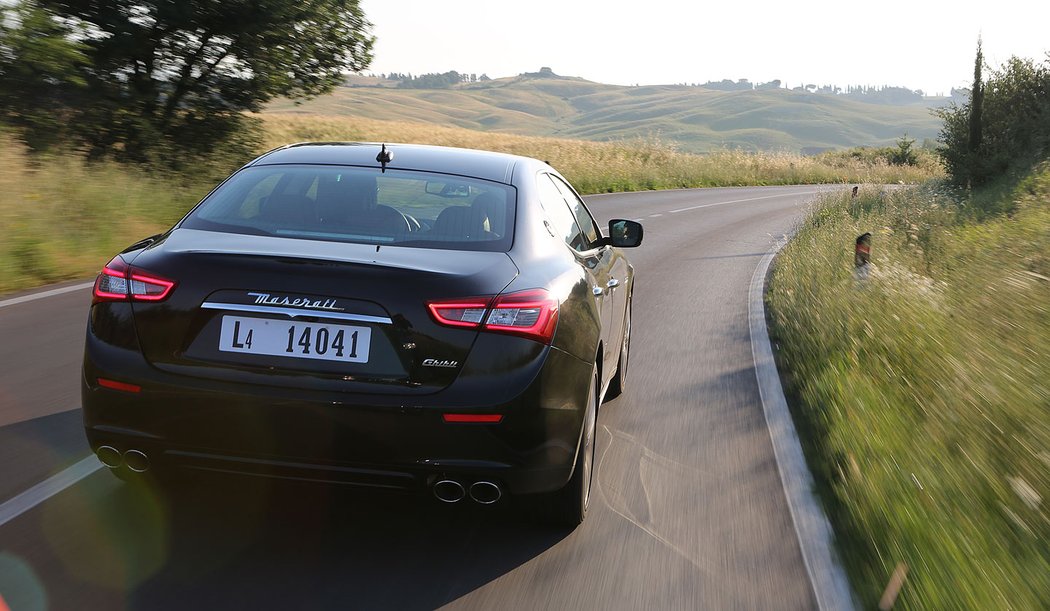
pixel 532 314
pixel 120 282
pixel 461 312
pixel 112 282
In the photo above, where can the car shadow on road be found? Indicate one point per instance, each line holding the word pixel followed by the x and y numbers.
pixel 255 544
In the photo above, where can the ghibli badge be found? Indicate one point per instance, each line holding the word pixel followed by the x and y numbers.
pixel 439 363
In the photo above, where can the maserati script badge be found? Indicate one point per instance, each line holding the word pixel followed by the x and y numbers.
pixel 295 302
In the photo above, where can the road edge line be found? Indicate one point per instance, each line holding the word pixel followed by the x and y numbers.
pixel 812 528
pixel 23 502
pixel 44 294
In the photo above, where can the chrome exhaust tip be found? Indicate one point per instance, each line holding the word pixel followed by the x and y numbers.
pixel 137 461
pixel 109 456
pixel 485 493
pixel 449 491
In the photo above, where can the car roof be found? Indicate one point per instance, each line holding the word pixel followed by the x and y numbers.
pixel 486 165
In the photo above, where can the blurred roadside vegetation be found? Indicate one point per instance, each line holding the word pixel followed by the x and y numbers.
pixel 923 393
pixel 63 218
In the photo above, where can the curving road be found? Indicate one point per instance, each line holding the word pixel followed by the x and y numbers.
pixel 689 512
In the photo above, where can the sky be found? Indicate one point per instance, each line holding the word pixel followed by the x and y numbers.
pixel 919 44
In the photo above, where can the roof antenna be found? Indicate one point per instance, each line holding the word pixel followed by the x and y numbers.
pixel 384 157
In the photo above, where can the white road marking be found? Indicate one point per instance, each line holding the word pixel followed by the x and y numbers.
pixel 737 201
pixel 45 294
pixel 48 488
pixel 655 215
pixel 826 575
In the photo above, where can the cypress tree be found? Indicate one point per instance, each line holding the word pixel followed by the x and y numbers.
pixel 976 104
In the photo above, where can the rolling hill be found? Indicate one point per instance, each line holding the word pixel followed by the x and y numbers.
pixel 697 119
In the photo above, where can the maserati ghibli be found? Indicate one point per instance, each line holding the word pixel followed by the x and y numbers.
pixel 396 316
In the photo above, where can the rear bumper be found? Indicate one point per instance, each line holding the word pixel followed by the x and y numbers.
pixel 385 441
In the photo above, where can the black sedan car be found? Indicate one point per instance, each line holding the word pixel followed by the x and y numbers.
pixel 403 317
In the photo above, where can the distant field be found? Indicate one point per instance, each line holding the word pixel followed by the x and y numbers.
pixel 697 119
pixel 625 165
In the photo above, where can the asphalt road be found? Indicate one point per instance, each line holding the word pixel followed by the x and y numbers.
pixel 688 512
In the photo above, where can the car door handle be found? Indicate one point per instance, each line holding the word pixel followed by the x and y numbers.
pixel 613 283
pixel 598 291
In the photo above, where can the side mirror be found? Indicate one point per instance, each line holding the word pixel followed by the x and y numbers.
pixel 624 233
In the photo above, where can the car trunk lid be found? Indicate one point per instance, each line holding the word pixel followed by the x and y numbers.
pixel 309 312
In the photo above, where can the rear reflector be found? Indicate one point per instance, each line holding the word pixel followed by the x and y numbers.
pixel 473 418
pixel 119 282
pixel 122 386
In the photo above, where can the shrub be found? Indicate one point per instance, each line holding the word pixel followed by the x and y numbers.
pixel 1014 125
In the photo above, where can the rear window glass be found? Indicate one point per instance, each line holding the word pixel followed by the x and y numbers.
pixel 362 205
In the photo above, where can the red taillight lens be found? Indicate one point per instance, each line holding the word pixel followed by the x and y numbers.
pixel 532 314
pixel 461 312
pixel 119 282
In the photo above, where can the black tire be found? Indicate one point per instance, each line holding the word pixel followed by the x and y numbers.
pixel 568 506
pixel 619 381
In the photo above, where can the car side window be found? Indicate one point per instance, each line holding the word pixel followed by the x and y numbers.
pixel 561 217
pixel 583 216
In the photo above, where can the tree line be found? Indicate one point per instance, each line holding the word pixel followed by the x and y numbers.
pixel 168 80
pixel 444 80
pixel 1003 127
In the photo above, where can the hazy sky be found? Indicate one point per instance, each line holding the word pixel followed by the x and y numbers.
pixel 919 44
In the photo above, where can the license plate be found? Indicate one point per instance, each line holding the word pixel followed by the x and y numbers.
pixel 301 340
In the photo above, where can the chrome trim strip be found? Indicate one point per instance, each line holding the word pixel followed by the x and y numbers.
pixel 293 312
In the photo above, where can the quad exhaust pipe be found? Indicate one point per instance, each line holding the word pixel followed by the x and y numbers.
pixel 451 491
pixel 135 460
pixel 109 456
pixel 485 493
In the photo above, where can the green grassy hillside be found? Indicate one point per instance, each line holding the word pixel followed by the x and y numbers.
pixel 698 119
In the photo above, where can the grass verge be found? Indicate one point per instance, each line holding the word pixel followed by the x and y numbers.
pixel 923 393
pixel 62 219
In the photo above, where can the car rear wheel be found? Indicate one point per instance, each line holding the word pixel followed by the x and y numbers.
pixel 619 381
pixel 568 506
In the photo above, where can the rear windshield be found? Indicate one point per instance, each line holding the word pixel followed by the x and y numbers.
pixel 362 205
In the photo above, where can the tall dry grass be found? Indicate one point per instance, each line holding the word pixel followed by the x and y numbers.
pixel 63 219
pixel 603 167
pixel 923 393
